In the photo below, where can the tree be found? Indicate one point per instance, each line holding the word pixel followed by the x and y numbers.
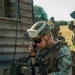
pixel 62 22
pixel 39 14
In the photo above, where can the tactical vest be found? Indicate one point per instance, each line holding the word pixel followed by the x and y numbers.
pixel 50 62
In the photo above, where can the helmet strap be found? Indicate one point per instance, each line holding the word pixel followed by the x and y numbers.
pixel 46 40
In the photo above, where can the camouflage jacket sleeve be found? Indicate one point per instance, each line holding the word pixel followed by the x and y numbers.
pixel 64 61
pixel 56 26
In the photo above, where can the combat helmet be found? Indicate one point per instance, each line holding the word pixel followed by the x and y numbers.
pixel 52 18
pixel 39 29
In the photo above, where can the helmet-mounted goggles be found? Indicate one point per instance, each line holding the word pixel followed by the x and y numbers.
pixel 32 34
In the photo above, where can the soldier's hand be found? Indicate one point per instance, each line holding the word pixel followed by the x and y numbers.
pixel 31 49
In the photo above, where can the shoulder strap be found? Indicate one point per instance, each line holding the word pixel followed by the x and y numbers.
pixel 47 52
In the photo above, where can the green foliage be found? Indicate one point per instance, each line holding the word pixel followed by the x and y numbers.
pixel 39 14
pixel 61 23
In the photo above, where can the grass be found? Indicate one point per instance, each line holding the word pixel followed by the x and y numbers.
pixel 68 36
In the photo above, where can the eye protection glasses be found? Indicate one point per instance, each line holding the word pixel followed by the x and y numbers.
pixel 38 40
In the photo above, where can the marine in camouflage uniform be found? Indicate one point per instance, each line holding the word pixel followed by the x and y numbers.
pixel 59 59
pixel 60 37
pixel 58 62
pixel 55 28
pixel 71 26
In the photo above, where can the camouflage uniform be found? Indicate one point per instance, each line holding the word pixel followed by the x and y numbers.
pixel 55 29
pixel 61 38
pixel 59 61
pixel 71 26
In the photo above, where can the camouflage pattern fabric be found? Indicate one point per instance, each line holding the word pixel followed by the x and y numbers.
pixel 55 30
pixel 73 64
pixel 71 26
pixel 59 62
pixel 61 38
